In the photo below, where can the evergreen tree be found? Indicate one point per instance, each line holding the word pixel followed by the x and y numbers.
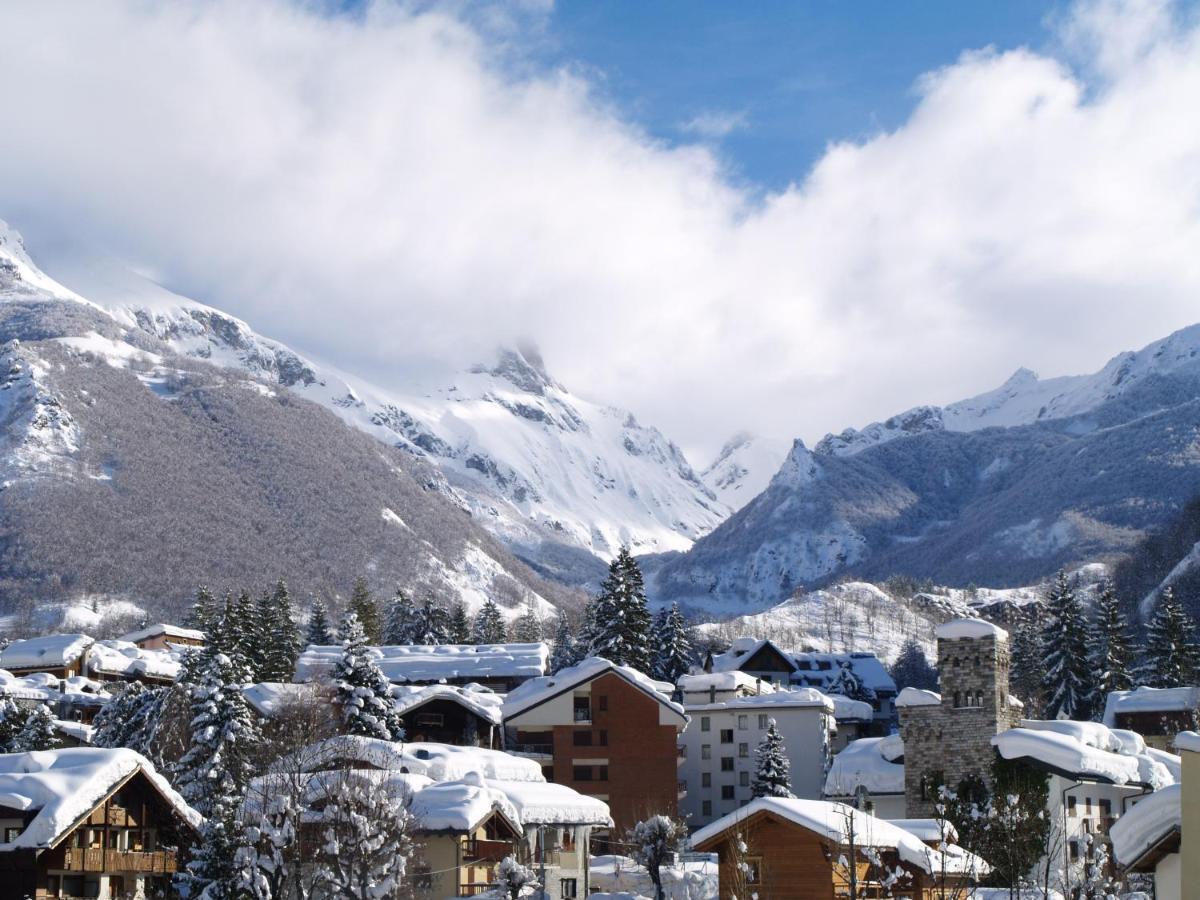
pixel 527 629
pixel 622 618
pixel 1171 651
pixel 212 872
pixel 38 732
pixel 460 625
pixel 1027 667
pixel 673 645
pixel 772 774
pixel 912 669
pixel 403 622
pixel 12 720
pixel 365 843
pixel 130 719
pixel 281 637
pixel 364 607
pixel 433 624
pixel 264 860
pixel 1113 656
pixel 847 684
pixel 318 632
pixel 566 651
pixel 489 625
pixel 249 634
pixel 1068 685
pixel 362 693
pixel 203 610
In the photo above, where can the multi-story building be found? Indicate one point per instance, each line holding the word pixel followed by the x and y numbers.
pixel 607 731
pixel 164 637
pixel 721 738
pixel 1158 714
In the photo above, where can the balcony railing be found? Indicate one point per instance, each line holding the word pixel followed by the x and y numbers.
pixel 583 715
pixel 479 851
pixel 153 862
pixel 474 888
pixel 533 749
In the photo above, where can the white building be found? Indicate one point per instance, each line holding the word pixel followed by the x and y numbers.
pixel 870 769
pixel 720 740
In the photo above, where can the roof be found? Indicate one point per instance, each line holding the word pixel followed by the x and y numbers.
pixel 63 786
pixel 1086 751
pixel 744 649
pixel 422 663
pixel 1149 700
pixel 820 669
pixel 546 803
pixel 960 629
pixel 165 630
pixel 461 806
pixel 538 690
pixel 912 696
pixel 874 763
pixel 928 830
pixel 722 681
pixel 127 659
pixel 1146 825
pixel 54 651
pixel 483 703
pixel 1188 740
pixel 267 698
pixel 801 698
pixel 847 710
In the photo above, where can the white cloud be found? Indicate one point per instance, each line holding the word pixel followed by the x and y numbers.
pixel 384 191
pixel 714 124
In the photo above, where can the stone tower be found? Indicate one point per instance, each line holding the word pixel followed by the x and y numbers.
pixel 949 737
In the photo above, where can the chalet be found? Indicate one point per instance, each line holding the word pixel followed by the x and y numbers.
pixel 812 849
pixel 126 661
pixel 607 731
pixel 757 658
pixel 497 667
pixel 1158 714
pixel 162 636
pixel 447 714
pixel 63 655
pixel 85 822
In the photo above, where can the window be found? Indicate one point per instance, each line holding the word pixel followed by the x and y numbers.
pixel 433 720
pixel 11 834
pixel 743 722
pixel 743 750
pixel 423 877
pixel 706 779
pixel 726 735
pixel 930 782
pixel 1074 847
pixel 705 723
pixel 581 773
pixel 726 763
pixel 706 751
pixel 602 700
pixel 583 708
pixel 744 779
pixel 568 888
pixel 583 739
pixel 602 773
pixel 1071 807
pixel 603 738
pixel 706 808
pixel 727 792
pixel 753 870
pixel 763 719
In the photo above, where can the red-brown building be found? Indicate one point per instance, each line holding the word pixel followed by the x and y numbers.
pixel 607 731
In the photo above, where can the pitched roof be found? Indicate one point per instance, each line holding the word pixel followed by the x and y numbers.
pixel 53 651
pixel 483 703
pixel 1147 825
pixel 428 664
pixel 128 660
pixel 538 690
pixel 167 631
pixel 1087 751
pixel 874 763
pixel 1149 700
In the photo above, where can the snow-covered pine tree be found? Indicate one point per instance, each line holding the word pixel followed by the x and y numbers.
pixel 365 845
pixel 130 719
pixel 38 732
pixel 1171 650
pixel 212 872
pixel 847 683
pixel 202 611
pixel 1068 685
pixel 1113 655
pixel 319 631
pixel 433 623
pixel 621 617
pixel 401 625
pixel 281 638
pixel 566 651
pixel 527 629
pixel 12 720
pixel 364 607
pixel 249 633
pixel 460 624
pixel 772 776
pixel 489 625
pixel 361 692
pixel 1028 666
pixel 912 669
pixel 673 645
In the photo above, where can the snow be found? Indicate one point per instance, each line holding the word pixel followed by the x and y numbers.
pixel 1188 740
pixel 61 786
pixel 164 630
pixel 929 831
pixel 128 660
pixel 1141 700
pixel 868 763
pixel 269 697
pixel 727 682
pixel 912 696
pixel 801 697
pixel 960 629
pixel 460 806
pixel 432 663
pixel 846 709
pixel 483 703
pixel 1083 750
pixel 1146 823
pixel 53 651
pixel 620 878
pixel 77 730
pixel 536 690
pixel 546 803
pixel 744 468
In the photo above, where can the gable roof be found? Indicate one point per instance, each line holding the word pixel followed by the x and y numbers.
pixel 1149 700
pixel 429 664
pixel 165 630
pixel 743 650
pixel 1087 751
pixel 482 703
pixel 53 651
pixel 1144 833
pixel 537 691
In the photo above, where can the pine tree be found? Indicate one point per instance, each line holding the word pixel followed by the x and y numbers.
pixel 130 719
pixel 1171 651
pixel 1113 656
pixel 38 732
pixel 460 626
pixel 362 693
pixel 365 843
pixel 402 625
pixel 1028 667
pixel 433 624
pixel 319 632
pixel 912 669
pixel 566 651
pixel 772 775
pixel 364 607
pixel 212 872
pixel 489 625
pixel 12 720
pixel 1068 685
pixel 673 645
pixel 202 611
pixel 527 629
pixel 621 617
pixel 281 638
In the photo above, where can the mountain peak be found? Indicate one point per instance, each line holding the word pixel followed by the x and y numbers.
pixel 523 367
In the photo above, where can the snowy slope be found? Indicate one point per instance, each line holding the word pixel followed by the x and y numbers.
pixel 538 466
pixel 743 468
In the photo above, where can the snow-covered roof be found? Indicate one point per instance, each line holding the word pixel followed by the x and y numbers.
pixel 722 681
pixel 912 696
pixel 1188 740
pixel 164 630
pixel 77 730
pixel 460 806
pixel 538 690
pixel 269 697
pixel 62 786
pixel 54 651
pixel 872 763
pixel 848 710
pixel 429 664
pixel 1146 824
pixel 931 831
pixel 1150 700
pixel 1085 751
pixel 820 669
pixel 483 703
pixel 128 660
pixel 547 803
pixel 742 650
pixel 959 629
pixel 801 698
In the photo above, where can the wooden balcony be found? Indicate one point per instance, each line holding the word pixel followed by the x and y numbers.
pixel 477 851
pixel 157 862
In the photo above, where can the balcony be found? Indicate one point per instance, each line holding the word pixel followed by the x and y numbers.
pixel 532 749
pixel 157 862
pixel 583 714
pixel 477 851
pixel 681 787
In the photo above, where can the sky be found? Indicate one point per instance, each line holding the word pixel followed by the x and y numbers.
pixel 785 218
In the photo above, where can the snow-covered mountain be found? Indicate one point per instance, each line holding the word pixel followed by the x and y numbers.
pixel 743 468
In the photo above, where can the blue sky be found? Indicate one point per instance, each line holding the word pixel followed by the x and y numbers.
pixel 793 75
